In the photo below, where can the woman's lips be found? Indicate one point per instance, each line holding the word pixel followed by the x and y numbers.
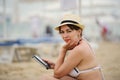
pixel 66 40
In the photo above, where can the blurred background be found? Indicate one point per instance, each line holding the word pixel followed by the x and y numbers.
pixel 27 29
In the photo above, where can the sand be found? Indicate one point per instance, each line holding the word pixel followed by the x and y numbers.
pixel 108 55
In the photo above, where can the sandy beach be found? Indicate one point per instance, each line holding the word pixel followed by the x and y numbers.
pixel 108 55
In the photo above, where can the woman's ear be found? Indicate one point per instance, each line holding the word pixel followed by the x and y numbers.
pixel 80 32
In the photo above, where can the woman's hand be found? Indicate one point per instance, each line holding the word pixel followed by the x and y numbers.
pixel 70 44
pixel 52 65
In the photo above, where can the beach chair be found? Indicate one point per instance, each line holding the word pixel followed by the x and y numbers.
pixel 6 54
pixel 25 53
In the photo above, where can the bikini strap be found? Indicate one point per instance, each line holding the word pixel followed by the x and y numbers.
pixel 88 70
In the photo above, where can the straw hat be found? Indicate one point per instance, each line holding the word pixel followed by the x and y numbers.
pixel 70 19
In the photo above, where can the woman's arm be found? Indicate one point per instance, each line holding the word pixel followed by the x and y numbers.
pixel 60 59
pixel 64 66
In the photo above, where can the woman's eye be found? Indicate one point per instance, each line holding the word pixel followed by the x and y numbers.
pixel 61 32
pixel 69 31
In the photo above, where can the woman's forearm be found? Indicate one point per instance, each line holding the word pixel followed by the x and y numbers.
pixel 60 60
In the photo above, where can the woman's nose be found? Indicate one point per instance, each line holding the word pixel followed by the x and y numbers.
pixel 65 35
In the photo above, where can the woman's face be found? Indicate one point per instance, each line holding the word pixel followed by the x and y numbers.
pixel 69 34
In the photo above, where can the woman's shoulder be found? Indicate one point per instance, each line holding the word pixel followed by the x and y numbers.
pixel 82 48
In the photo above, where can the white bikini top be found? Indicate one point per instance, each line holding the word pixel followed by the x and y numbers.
pixel 76 72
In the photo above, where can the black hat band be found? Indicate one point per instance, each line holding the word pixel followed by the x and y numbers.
pixel 65 21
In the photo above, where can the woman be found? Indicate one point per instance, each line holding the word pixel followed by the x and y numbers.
pixel 80 62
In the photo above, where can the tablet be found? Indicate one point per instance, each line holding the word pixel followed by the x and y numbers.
pixel 38 59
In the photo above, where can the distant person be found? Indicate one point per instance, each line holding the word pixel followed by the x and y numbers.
pixel 49 31
pixel 35 32
pixel 35 25
pixel 80 63
pixel 105 32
